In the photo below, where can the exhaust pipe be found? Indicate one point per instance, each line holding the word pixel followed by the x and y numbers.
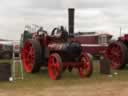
pixel 71 22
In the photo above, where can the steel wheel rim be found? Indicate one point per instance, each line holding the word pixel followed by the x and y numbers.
pixel 84 68
pixel 53 67
pixel 114 53
pixel 28 56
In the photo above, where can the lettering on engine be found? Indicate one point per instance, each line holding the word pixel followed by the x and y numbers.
pixel 56 46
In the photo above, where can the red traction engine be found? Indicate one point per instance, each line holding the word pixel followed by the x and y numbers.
pixel 57 52
pixel 117 52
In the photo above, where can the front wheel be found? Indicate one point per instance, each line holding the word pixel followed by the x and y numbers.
pixel 85 69
pixel 55 66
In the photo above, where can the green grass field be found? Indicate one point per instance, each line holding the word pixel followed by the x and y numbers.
pixel 41 80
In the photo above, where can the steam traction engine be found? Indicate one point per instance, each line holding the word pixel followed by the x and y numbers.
pixel 56 51
pixel 117 52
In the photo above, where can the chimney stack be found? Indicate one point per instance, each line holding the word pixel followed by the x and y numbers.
pixel 71 22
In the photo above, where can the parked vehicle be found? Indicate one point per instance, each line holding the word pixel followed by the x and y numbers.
pixel 117 52
pixel 93 42
pixel 6 49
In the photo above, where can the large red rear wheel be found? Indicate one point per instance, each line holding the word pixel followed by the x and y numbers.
pixel 31 55
pixel 85 69
pixel 54 66
pixel 117 52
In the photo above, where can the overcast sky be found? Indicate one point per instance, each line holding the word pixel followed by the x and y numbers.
pixel 90 15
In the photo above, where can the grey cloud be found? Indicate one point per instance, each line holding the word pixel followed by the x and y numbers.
pixel 14 3
pixel 60 4
pixel 97 15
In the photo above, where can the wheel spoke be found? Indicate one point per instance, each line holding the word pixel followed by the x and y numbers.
pixel 25 51
pixel 56 65
pixel 81 72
